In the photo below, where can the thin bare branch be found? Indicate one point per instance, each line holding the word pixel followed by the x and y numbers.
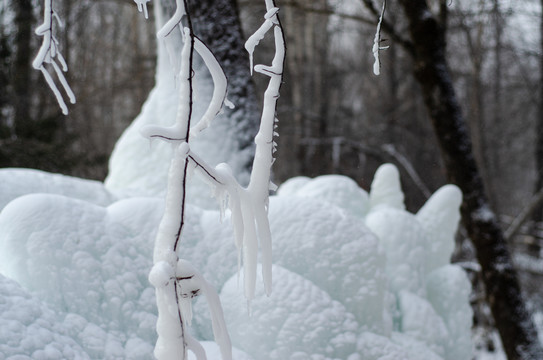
pixel 524 215
pixel 389 28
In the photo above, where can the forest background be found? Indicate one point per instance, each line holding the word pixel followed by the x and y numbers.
pixel 336 115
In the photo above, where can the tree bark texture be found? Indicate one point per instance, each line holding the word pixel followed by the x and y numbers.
pixel 513 321
pixel 21 74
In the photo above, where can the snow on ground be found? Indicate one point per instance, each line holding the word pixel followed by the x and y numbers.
pixel 79 273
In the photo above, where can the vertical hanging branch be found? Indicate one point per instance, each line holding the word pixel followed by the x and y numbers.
pixel 259 184
pixel 172 337
pixel 49 54
pixel 175 280
pixel 377 42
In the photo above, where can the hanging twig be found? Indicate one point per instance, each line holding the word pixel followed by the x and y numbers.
pixel 377 42
pixel 49 54
pixel 170 275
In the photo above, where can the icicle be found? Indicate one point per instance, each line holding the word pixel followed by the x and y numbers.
pixel 220 333
pixel 229 104
pixel 142 7
pixel 377 42
pixel 63 82
pixel 250 245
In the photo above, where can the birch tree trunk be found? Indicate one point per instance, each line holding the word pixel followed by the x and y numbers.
pixel 514 323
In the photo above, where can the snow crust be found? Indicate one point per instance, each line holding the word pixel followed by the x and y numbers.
pixel 351 276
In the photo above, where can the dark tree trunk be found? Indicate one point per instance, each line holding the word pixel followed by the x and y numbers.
pixel 538 214
pixel 517 331
pixel 21 71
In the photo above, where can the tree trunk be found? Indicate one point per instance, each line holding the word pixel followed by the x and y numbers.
pixel 538 214
pixel 517 331
pixel 21 73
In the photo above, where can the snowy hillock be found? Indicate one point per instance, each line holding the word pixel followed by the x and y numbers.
pixel 356 277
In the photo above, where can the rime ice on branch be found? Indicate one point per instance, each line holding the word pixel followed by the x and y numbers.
pixel 175 280
pixel 49 54
pixel 142 7
pixel 377 42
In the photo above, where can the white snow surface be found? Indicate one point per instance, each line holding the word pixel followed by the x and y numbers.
pixel 18 182
pixel 79 271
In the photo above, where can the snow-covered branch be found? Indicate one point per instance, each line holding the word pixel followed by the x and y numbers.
pixel 377 42
pixel 175 280
pixel 142 7
pixel 259 184
pixel 50 54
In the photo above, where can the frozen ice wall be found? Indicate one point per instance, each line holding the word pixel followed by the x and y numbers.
pixel 356 277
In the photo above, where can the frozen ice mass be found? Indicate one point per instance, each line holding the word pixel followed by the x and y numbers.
pixel 355 276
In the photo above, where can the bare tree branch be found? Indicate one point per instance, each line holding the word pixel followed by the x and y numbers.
pixel 524 215
pixel 389 28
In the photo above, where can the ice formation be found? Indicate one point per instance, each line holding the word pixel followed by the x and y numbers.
pixel 49 54
pixel 356 276
pixel 83 269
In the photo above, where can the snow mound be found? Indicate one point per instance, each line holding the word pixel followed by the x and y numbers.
pixel 19 182
pixel 351 279
pixel 298 321
pixel 439 218
pixel 403 239
pixel 334 189
pixel 386 189
pixel 333 249
pixel 30 330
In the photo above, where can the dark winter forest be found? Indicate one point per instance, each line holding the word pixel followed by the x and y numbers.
pixel 477 64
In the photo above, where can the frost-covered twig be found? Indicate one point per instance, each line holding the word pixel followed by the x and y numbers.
pixel 142 7
pixel 49 54
pixel 175 280
pixel 259 184
pixel 377 42
pixel 219 90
